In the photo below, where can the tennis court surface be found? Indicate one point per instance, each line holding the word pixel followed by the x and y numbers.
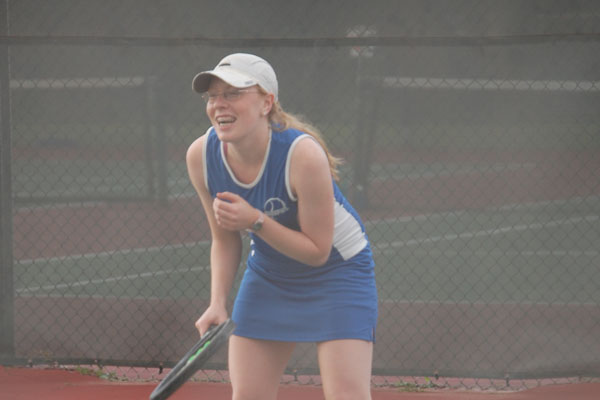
pixel 61 384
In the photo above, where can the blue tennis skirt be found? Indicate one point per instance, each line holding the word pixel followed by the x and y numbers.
pixel 328 303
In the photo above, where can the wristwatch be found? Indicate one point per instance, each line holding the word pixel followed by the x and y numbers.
pixel 258 224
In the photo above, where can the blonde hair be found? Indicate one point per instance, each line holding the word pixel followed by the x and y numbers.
pixel 281 120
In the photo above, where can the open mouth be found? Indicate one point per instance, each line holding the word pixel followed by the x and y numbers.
pixel 224 121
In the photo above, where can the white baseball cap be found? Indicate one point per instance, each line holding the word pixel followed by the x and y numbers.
pixel 240 70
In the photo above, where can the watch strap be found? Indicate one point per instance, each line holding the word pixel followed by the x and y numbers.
pixel 257 225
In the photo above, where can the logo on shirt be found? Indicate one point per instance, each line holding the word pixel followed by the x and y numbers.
pixel 275 206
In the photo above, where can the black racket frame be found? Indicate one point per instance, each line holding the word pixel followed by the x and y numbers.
pixel 184 370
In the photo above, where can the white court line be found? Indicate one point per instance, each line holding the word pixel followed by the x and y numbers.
pixel 488 232
pixel 384 246
pixel 467 170
pixel 109 280
pixel 491 84
pixel 78 83
pixel 380 247
pixel 89 256
pixel 508 253
pixel 456 213
pixel 560 253
pixel 108 254
pixel 539 204
pixel 517 303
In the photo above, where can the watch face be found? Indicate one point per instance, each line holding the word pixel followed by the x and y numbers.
pixel 257 226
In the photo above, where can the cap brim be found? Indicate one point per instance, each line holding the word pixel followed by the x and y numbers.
pixel 231 77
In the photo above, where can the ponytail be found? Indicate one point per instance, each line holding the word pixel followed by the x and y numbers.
pixel 281 120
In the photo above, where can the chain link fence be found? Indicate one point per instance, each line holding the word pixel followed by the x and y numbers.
pixel 471 135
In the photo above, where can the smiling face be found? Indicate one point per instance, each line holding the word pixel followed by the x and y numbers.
pixel 236 113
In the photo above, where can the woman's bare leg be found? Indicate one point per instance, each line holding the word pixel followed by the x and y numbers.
pixel 256 367
pixel 346 369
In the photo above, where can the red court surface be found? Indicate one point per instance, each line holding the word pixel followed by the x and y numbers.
pixel 60 384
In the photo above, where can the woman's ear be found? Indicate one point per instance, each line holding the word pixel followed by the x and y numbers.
pixel 268 104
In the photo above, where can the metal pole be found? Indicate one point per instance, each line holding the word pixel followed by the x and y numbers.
pixel 7 345
pixel 360 174
pixel 158 127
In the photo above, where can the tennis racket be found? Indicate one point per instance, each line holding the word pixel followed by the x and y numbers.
pixel 194 359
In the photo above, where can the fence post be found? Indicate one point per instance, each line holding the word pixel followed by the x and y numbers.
pixel 7 346
pixel 157 132
pixel 364 142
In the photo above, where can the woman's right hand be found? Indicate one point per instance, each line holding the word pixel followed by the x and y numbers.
pixel 212 316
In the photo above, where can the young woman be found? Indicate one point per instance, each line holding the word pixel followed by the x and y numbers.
pixel 310 271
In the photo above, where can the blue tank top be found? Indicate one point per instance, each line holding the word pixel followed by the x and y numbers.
pixel 271 193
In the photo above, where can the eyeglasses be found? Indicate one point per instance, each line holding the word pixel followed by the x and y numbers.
pixel 228 95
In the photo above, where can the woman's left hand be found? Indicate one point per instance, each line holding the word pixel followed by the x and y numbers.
pixel 233 213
